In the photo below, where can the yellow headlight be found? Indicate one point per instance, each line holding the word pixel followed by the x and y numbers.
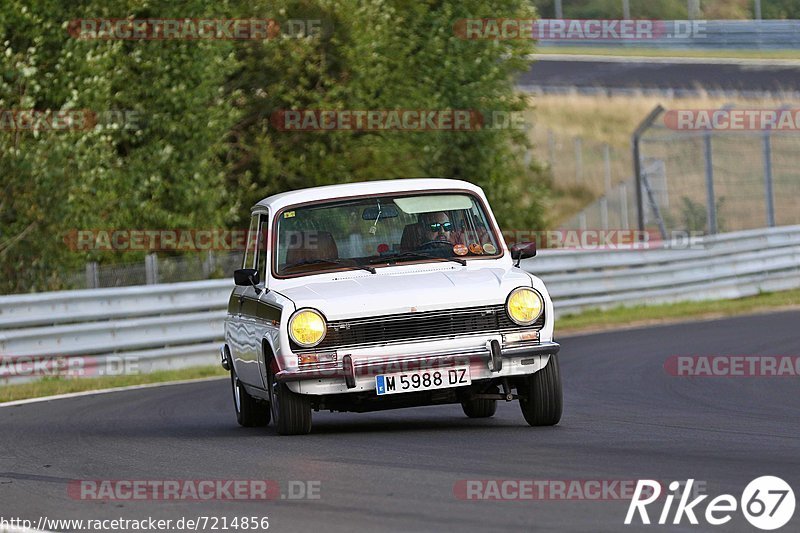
pixel 524 306
pixel 307 328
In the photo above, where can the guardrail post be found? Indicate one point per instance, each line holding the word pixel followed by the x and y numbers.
pixel 151 269
pixel 559 10
pixel 578 160
pixel 711 214
pixel 92 275
pixel 768 194
pixel 551 150
pixel 606 187
pixel 210 264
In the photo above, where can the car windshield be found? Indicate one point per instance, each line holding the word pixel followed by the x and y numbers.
pixel 382 230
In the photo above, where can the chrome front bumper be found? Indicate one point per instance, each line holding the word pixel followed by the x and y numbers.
pixel 490 357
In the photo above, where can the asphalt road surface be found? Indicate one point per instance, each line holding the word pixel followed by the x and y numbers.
pixel 657 75
pixel 625 419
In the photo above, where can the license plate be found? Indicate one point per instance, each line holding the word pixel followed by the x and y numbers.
pixel 420 380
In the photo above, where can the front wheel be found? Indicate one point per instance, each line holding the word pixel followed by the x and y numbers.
pixel 249 411
pixel 541 396
pixel 291 411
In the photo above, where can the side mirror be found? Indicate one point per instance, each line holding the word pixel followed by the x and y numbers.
pixel 246 277
pixel 523 250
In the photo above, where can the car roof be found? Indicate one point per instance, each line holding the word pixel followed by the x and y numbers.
pixel 344 190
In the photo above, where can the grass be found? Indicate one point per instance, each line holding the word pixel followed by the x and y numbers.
pixel 659 52
pixel 59 385
pixel 612 119
pixel 642 315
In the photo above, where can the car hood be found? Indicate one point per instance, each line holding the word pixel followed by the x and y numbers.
pixel 386 294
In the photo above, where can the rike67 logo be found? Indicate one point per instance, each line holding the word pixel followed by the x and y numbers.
pixel 767 503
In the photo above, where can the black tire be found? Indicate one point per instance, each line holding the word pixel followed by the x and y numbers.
pixel 541 396
pixel 291 411
pixel 479 408
pixel 249 411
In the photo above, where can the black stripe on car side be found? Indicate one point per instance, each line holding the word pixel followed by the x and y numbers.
pixel 233 304
pixel 254 309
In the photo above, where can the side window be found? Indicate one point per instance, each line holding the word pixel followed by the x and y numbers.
pixel 251 251
pixel 263 233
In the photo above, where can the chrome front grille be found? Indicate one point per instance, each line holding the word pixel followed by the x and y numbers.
pixel 404 327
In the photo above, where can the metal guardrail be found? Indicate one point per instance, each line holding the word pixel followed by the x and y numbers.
pixel 179 325
pixel 730 265
pixel 704 34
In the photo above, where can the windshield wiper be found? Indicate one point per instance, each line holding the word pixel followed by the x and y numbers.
pixel 349 263
pixel 412 255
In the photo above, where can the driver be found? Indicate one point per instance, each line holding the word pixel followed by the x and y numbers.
pixel 437 227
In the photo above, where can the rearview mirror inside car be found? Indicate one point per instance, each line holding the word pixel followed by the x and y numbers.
pixel 386 211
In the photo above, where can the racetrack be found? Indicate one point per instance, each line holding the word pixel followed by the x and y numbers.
pixel 660 75
pixel 624 419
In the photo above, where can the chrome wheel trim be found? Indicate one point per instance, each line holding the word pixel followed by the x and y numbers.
pixel 237 395
pixel 272 385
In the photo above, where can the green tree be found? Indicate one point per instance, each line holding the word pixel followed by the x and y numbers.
pixel 162 168
pixel 780 9
pixel 386 54
pixel 201 150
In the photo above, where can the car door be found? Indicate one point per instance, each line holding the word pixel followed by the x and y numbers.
pixel 243 340
pixel 261 310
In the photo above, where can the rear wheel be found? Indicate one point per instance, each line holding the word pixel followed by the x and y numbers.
pixel 249 411
pixel 291 411
pixel 479 408
pixel 541 396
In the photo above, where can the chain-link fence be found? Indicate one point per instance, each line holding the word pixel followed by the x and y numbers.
pixel 594 169
pixel 717 181
pixel 614 210
pixel 699 180
pixel 575 161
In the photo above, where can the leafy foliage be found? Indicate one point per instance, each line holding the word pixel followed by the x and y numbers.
pixel 196 149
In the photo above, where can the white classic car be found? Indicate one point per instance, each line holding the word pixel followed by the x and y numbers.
pixel 387 294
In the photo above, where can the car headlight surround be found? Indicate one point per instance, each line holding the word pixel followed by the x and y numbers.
pixel 524 305
pixel 307 327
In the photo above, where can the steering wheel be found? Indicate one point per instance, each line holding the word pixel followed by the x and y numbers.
pixel 431 244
